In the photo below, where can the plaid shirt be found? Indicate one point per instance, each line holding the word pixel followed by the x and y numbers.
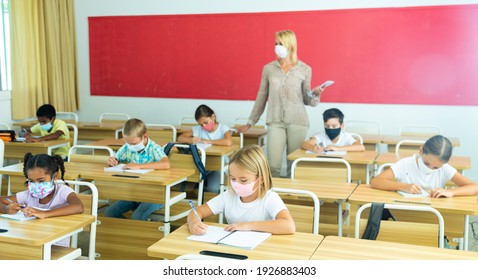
pixel 151 153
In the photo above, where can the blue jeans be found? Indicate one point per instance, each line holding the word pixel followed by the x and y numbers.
pixel 142 210
pixel 213 181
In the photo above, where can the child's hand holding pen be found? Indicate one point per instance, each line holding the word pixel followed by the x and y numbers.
pixel 13 207
pixel 195 225
pixel 413 188
pixel 318 148
pixel 112 161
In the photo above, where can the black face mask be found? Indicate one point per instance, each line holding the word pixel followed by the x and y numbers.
pixel 332 133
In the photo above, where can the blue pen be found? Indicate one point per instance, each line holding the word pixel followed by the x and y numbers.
pixel 194 210
pixel 11 201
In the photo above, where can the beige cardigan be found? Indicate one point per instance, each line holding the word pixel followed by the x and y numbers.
pixel 286 94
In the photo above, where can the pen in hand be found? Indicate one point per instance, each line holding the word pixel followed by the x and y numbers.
pixel 11 201
pixel 195 212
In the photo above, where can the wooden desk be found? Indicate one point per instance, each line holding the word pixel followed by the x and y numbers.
pixel 154 186
pixel 459 162
pixel 370 141
pixel 251 136
pixel 17 150
pixel 91 131
pixel 345 248
pixel 113 143
pixel 328 192
pixel 359 161
pixel 32 240
pixel 298 246
pixel 455 206
pixel 256 136
pixel 392 141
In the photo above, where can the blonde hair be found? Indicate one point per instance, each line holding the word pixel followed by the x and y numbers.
pixel 288 40
pixel 252 159
pixel 134 128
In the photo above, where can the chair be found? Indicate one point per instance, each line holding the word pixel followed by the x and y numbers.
pixel 324 169
pixel 420 130
pixel 67 116
pixel 88 154
pixel 237 138
pixel 73 128
pixel 90 204
pixel 114 117
pixel 382 167
pixel 408 147
pixel 307 168
pixel 161 133
pixel 363 127
pixel 187 121
pixel 4 126
pixel 357 137
pixel 313 196
pixel 401 232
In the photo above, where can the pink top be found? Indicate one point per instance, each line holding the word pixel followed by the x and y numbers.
pixel 59 200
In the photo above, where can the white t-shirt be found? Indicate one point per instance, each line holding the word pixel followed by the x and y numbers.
pixel 345 139
pixel 236 211
pixel 406 171
pixel 200 132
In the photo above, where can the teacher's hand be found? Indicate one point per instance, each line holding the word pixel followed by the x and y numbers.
pixel 243 128
pixel 318 90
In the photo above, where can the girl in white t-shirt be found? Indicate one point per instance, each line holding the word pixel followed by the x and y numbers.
pixel 427 171
pixel 44 198
pixel 333 138
pixel 250 204
pixel 209 131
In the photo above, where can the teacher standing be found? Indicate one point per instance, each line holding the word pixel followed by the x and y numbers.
pixel 285 84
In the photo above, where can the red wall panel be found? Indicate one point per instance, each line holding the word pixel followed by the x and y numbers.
pixel 418 55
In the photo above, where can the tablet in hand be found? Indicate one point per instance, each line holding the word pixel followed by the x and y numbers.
pixel 326 84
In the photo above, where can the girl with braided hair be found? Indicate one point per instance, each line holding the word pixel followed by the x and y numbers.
pixel 44 197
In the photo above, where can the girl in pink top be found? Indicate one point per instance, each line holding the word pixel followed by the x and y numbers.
pixel 44 198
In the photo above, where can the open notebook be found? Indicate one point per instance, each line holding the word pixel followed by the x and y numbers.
pixel 424 193
pixel 328 153
pixel 19 216
pixel 240 239
pixel 119 168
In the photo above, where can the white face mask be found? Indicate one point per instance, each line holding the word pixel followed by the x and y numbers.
pixel 425 170
pixel 281 51
pixel 138 147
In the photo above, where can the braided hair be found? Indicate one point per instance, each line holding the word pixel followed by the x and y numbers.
pixel 51 164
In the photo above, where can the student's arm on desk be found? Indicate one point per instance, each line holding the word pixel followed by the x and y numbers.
pixel 226 141
pixel 75 206
pixel 386 181
pixel 55 135
pixel 10 205
pixel 311 145
pixel 162 164
pixel 355 147
pixel 465 187
pixel 283 224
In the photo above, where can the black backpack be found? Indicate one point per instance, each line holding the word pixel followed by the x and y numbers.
pixel 193 150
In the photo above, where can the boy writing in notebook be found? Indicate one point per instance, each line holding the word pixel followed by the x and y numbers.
pixel 139 152
pixel 49 128
pixel 333 138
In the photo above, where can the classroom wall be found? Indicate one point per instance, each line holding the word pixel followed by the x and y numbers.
pixel 452 119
